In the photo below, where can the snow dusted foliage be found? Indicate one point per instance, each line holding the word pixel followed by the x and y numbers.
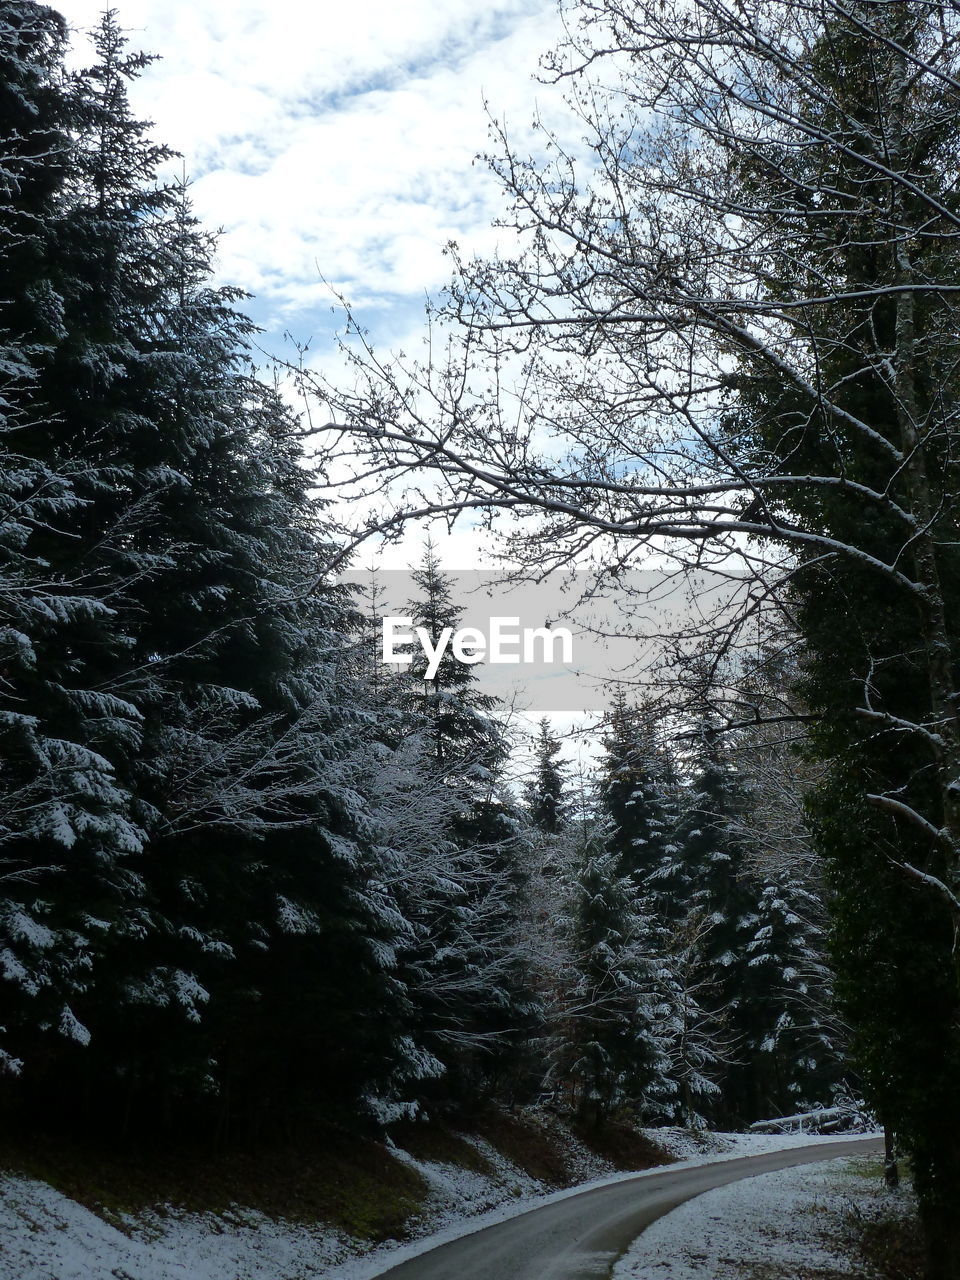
pixel 192 899
pixel 62 804
pixel 650 824
pixel 599 964
pixel 795 1041
pixel 695 1032
pixel 544 791
pixel 738 976
pixel 238 875
pixel 458 853
pixel 750 945
pixel 608 1050
pixel 639 789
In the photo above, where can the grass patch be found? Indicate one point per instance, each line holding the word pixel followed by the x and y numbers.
pixel 776 1271
pixel 868 1167
pixel 892 1246
pixel 430 1141
pixel 887 1235
pixel 336 1179
pixel 529 1144
pixel 624 1146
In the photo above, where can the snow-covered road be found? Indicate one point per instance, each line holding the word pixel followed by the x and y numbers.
pixel 580 1236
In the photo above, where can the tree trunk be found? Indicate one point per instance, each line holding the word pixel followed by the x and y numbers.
pixel 891 1173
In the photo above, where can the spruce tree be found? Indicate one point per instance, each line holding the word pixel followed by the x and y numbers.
pixel 709 881
pixel 612 1050
pixel 464 961
pixel 68 822
pixel 638 790
pixel 544 792
pixel 190 728
pixel 794 1051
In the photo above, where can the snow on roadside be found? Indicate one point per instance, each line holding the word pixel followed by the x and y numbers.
pixel 700 1144
pixel 46 1236
pixel 731 1145
pixel 456 1193
pixel 793 1219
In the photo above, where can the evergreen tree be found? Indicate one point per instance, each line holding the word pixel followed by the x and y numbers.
pixel 613 1051
pixel 544 792
pixel 693 1024
pixel 188 742
pixel 465 959
pixel 880 656
pixel 64 811
pixel 638 790
pixel 793 1051
pixel 708 878
pixel 464 738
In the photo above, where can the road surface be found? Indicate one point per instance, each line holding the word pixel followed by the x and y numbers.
pixel 580 1238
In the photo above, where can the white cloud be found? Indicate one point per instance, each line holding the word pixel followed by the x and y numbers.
pixel 337 141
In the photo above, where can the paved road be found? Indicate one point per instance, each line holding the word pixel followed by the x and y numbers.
pixel 581 1237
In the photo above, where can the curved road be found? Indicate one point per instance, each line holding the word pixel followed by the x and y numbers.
pixel 580 1238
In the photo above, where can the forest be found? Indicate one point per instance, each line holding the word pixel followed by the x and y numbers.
pixel 252 880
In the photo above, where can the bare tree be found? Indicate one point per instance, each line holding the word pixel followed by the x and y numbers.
pixel 587 381
pixel 731 339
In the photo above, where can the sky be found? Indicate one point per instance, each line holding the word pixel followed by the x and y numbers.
pixel 334 143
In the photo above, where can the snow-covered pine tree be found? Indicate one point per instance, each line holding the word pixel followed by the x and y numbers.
pixel 218 856
pixel 609 1049
pixel 466 740
pixel 544 790
pixel 611 1005
pixel 469 965
pixel 792 1044
pixel 751 945
pixel 639 789
pixel 66 825
pixel 797 1040
pixel 698 1044
pixel 719 904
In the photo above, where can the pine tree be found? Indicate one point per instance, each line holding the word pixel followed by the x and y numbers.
pixel 698 1043
pixel 669 843
pixel 189 678
pixel 64 811
pixel 612 1048
pixel 544 792
pixel 464 738
pixel 639 790
pixel 793 1051
pixel 464 960
pixel 713 901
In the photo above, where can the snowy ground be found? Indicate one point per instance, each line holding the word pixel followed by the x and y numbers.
pixel 701 1146
pixel 46 1236
pixel 789 1223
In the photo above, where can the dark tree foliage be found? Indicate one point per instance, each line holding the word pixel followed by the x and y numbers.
pixel 879 665
pixel 470 985
pixel 191 921
pixel 544 792
pixel 613 1055
pixel 639 790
